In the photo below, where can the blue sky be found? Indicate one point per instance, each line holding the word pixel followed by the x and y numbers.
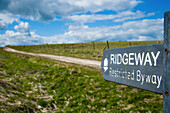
pixel 29 22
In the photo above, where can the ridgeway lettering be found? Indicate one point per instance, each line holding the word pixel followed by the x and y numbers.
pixel 149 58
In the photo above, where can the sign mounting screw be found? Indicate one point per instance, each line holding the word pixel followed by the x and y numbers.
pixel 166 51
pixel 166 93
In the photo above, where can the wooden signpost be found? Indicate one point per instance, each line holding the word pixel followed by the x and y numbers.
pixel 146 67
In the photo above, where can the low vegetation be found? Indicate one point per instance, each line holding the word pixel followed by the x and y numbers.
pixel 81 50
pixel 33 84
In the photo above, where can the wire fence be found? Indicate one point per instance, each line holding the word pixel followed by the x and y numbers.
pixel 84 47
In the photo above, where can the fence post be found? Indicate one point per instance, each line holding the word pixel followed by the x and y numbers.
pixel 107 44
pixel 93 46
pixel 129 43
pixel 72 47
pixel 166 62
pixel 64 47
pixel 82 46
pixel 57 46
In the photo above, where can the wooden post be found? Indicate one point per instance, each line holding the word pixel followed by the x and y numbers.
pixel 57 46
pixel 64 47
pixel 72 47
pixel 107 44
pixel 82 46
pixel 129 43
pixel 166 62
pixel 93 46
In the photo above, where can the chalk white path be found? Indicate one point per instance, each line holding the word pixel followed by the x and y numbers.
pixel 91 63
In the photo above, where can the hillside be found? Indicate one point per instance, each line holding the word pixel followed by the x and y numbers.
pixel 34 84
pixel 81 50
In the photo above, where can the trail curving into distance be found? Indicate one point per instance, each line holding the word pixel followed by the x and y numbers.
pixel 91 63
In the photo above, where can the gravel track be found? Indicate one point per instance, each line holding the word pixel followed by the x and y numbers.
pixel 91 63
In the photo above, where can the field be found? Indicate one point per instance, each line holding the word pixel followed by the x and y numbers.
pixel 33 84
pixel 81 50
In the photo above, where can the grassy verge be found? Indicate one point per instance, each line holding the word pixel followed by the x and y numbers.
pixel 80 50
pixel 32 84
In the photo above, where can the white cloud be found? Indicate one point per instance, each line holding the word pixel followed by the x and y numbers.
pixel 128 15
pixel 134 30
pixel 100 5
pixel 22 27
pixel 45 10
pixel 23 36
pixel 120 17
pixel 17 38
pixel 147 29
pixel 2 26
pixel 5 19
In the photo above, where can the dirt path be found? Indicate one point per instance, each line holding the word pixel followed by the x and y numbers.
pixel 92 63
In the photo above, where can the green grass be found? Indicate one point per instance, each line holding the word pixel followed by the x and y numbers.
pixel 80 50
pixel 33 84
